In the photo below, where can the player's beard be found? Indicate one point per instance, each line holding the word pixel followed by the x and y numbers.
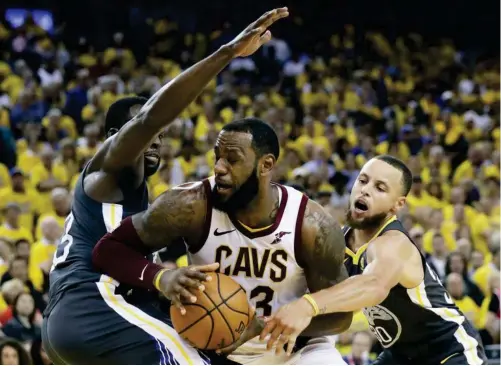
pixel 367 223
pixel 150 168
pixel 240 197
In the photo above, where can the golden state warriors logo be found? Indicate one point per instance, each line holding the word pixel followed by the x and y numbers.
pixel 384 324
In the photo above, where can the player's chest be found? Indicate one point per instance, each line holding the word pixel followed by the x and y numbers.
pixel 355 265
pixel 355 257
pixel 268 257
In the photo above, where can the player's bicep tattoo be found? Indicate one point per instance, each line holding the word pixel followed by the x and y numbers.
pixel 325 255
pixel 170 217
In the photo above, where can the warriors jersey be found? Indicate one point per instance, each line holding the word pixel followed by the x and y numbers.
pixel 262 261
pixel 88 221
pixel 420 324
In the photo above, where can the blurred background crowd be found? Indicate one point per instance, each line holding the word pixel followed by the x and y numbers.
pixel 338 89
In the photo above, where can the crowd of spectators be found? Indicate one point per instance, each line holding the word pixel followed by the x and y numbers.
pixel 359 96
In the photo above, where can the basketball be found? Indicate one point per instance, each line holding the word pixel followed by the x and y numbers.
pixel 219 316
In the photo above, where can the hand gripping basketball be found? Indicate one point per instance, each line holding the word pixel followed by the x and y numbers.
pixel 179 284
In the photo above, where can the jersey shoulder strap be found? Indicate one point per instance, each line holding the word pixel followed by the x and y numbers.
pixel 345 229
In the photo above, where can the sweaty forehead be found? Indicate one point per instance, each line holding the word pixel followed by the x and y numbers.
pixel 235 140
pixel 379 170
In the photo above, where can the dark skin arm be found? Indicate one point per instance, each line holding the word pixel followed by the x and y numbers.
pixel 176 215
pixel 322 250
pixel 126 148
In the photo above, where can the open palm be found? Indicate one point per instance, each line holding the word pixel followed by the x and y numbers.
pixel 256 34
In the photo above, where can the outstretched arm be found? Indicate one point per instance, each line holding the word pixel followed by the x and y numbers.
pixel 128 145
pixel 370 288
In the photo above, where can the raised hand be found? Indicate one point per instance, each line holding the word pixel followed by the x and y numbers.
pixel 256 34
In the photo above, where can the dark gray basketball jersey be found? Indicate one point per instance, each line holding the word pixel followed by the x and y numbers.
pixel 88 221
pixel 416 323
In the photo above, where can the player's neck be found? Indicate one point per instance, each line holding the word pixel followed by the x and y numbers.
pixel 362 237
pixel 261 211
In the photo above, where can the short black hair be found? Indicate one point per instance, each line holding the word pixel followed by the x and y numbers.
pixel 264 137
pixel 119 112
pixel 399 165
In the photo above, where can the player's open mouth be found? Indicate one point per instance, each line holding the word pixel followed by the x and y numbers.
pixel 361 206
pixel 223 188
pixel 152 156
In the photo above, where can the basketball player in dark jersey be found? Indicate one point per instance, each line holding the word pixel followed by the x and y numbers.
pixel 408 309
pixel 88 319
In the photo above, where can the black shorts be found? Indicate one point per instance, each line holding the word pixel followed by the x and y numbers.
pixel 92 324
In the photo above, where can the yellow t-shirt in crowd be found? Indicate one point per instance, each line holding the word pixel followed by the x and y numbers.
pixel 447 230
pixel 481 277
pixel 425 200
pixel 468 306
pixel 13 235
pixel 27 160
pixel 41 252
pixel 4 176
pixel 188 167
pixel 469 212
pixel 28 201
pixel 479 225
pixel 444 171
pixel 66 123
pixel 40 174
pixel 159 188
pixel 465 170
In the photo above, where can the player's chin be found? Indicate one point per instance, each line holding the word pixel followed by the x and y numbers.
pixel 224 194
pixel 358 215
pixel 151 166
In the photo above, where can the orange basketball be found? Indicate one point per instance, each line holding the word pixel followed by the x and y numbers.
pixel 219 316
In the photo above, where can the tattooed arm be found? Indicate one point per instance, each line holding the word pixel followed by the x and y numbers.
pixel 322 253
pixel 177 214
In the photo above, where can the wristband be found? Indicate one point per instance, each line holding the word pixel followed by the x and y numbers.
pixel 313 303
pixel 156 283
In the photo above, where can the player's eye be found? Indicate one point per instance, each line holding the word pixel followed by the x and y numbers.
pixel 232 159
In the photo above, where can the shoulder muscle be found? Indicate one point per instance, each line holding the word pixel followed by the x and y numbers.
pixel 177 213
pixel 389 257
pixel 323 245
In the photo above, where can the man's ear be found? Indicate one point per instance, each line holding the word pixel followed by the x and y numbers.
pixel 267 164
pixel 399 205
pixel 111 132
